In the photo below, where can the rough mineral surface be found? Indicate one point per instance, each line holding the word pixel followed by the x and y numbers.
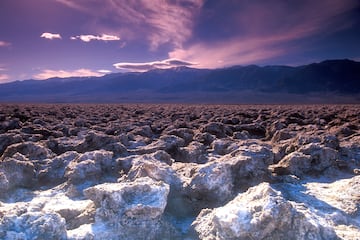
pixel 259 213
pixel 179 172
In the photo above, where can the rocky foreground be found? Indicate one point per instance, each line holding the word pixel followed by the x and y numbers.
pixel 179 172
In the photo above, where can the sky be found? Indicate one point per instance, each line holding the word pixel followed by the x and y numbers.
pixel 40 39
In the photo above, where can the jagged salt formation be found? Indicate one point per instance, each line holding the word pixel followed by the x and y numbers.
pixel 179 172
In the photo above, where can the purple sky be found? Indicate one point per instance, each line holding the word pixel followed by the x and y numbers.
pixel 40 39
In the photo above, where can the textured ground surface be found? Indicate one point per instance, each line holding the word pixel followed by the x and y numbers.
pixel 179 172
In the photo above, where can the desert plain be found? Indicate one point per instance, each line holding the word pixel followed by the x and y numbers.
pixel 157 171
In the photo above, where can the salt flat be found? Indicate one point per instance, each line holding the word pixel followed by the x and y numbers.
pixel 157 171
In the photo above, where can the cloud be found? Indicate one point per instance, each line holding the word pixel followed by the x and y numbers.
pixel 231 52
pixel 50 36
pixel 104 71
pixel 48 73
pixel 4 44
pixel 4 78
pixel 220 33
pixel 274 32
pixel 103 37
pixel 158 21
pixel 146 66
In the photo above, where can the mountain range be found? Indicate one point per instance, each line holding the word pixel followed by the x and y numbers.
pixel 330 81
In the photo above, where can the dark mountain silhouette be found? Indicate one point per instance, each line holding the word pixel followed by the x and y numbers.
pixel 331 81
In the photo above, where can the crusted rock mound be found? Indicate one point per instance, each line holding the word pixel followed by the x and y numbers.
pixel 33 225
pixel 259 213
pixel 131 210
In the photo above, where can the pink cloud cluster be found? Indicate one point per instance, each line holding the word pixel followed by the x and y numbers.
pixel 48 73
pixel 3 77
pixel 103 37
pixel 4 44
pixel 50 36
pixel 261 30
pixel 158 21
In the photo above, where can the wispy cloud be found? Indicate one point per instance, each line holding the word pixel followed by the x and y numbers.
pixel 267 31
pixel 198 31
pixel 104 71
pixel 4 78
pixel 48 73
pixel 157 21
pixel 4 44
pixel 50 36
pixel 146 66
pixel 103 37
pixel 225 54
